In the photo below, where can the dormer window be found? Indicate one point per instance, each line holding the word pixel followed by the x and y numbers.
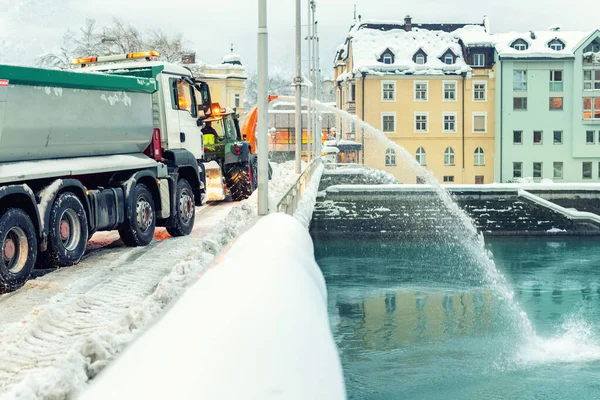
pixel 449 59
pixel 387 57
pixel 420 57
pixel 520 45
pixel 556 44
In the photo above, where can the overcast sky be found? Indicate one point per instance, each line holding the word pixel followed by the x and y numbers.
pixel 29 28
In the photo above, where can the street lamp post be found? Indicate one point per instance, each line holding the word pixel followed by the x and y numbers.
pixel 298 82
pixel 309 123
pixel 263 103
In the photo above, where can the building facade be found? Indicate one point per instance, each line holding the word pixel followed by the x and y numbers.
pixel 547 99
pixel 426 89
pixel 226 80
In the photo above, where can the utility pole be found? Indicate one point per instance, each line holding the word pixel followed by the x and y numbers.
pixel 263 104
pixel 318 126
pixel 298 130
pixel 308 91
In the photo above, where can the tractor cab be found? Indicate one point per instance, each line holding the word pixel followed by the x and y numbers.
pixel 221 134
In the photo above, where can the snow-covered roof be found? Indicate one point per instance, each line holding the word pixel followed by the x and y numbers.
pixel 232 59
pixel 369 44
pixel 475 36
pixel 539 45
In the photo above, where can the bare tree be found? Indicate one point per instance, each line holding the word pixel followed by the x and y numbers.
pixel 116 38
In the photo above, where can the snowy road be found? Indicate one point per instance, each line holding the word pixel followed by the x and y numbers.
pixel 61 329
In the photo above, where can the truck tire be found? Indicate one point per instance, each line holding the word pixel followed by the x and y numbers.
pixel 18 249
pixel 238 181
pixel 185 210
pixel 138 227
pixel 67 232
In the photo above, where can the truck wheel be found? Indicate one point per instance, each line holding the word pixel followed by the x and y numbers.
pixel 185 213
pixel 238 181
pixel 138 228
pixel 18 249
pixel 67 232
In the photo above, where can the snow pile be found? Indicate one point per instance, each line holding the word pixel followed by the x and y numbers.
pixel 306 206
pixel 232 58
pixel 284 177
pixel 245 330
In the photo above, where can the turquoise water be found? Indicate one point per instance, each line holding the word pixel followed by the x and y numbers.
pixel 413 321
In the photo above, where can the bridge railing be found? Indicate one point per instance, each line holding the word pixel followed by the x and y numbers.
pixel 289 202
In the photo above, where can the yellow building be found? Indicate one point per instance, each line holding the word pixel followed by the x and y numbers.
pixel 428 88
pixel 226 80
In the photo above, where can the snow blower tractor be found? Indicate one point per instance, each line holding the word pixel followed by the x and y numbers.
pixel 226 152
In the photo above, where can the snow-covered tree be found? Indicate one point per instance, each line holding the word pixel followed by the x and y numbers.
pixel 115 38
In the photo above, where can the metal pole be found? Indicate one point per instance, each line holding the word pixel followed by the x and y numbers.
pixel 318 141
pixel 308 91
pixel 263 104
pixel 298 132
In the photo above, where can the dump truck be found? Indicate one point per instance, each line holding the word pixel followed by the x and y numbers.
pixel 87 152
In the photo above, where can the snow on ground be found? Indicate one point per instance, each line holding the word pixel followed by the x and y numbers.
pixel 59 331
pixel 267 339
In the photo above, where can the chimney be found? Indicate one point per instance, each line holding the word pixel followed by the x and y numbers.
pixel 532 35
pixel 408 23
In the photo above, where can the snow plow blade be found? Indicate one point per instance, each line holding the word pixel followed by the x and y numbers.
pixel 215 188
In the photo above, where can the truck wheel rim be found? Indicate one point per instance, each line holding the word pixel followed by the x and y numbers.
pixel 69 230
pixel 15 250
pixel 144 214
pixel 186 206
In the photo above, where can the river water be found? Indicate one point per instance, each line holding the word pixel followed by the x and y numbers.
pixel 410 322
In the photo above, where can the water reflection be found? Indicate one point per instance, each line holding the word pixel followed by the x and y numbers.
pixel 404 310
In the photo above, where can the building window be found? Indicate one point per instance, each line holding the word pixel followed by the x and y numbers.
pixel 449 59
pixel 556 103
pixel 388 123
pixel 520 103
pixel 557 137
pixel 517 169
pixel 237 101
pixel 420 59
pixel 590 137
pixel 449 156
pixel 351 91
pixel 388 91
pixel 478 60
pixel 421 91
pixel 591 79
pixel 479 92
pixel 448 179
pixel 421 156
pixel 591 108
pixel 520 80
pixel 537 169
pixel 390 157
pixel 479 157
pixel 449 91
pixel 450 122
pixel 517 137
pixel 421 122
pixel 388 59
pixel 556 45
pixel 537 137
pixel 479 122
pixel 586 172
pixel 479 179
pixel 520 45
pixel 558 170
pixel 556 81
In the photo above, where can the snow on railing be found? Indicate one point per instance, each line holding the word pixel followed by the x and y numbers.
pixel 289 202
pixel 254 326
pixel 571 214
